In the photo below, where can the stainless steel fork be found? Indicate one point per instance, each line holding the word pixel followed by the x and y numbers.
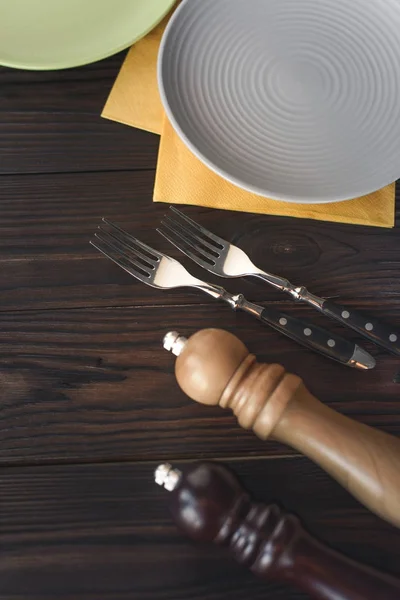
pixel 160 271
pixel 226 260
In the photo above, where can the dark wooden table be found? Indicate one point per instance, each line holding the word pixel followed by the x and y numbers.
pixel 89 404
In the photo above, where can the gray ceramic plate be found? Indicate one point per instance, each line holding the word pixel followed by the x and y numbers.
pixel 296 100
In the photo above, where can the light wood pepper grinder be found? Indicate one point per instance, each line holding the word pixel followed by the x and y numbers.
pixel 215 368
pixel 208 504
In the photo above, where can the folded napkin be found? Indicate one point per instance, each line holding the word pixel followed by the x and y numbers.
pixel 183 179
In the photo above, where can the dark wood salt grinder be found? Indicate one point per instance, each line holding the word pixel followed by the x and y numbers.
pixel 208 504
pixel 214 367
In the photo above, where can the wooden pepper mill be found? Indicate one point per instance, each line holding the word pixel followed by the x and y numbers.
pixel 208 504
pixel 215 368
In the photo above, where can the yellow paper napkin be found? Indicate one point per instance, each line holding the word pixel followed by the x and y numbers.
pixel 183 179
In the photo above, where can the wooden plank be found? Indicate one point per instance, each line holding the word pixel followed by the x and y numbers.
pixel 82 90
pixel 46 222
pixel 104 532
pixel 36 142
pixel 50 122
pixel 93 385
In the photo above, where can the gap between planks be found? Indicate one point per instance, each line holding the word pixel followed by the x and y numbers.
pixel 45 464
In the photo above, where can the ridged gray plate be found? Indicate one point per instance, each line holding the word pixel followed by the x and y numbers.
pixel 296 100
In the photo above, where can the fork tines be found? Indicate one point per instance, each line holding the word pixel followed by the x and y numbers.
pixel 192 239
pixel 126 251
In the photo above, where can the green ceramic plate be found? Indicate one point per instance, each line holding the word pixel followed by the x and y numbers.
pixel 57 34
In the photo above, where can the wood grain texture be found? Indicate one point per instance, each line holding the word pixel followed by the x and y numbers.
pixel 104 532
pixel 75 91
pixel 46 222
pixel 36 142
pixel 83 377
pixel 97 385
pixel 51 123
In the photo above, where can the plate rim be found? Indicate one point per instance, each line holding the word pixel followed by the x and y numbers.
pixel 87 61
pixel 219 171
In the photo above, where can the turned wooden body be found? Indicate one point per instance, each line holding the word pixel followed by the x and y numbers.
pixel 208 504
pixel 215 368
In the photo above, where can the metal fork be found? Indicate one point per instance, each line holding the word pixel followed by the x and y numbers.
pixel 160 271
pixel 218 256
